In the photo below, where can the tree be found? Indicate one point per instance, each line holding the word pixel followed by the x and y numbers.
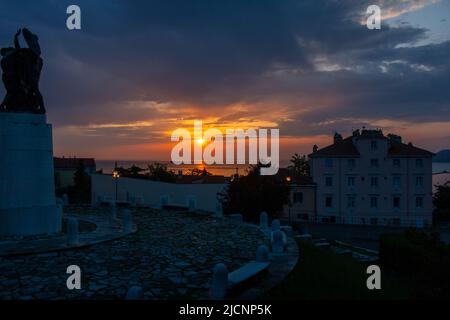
pixel 254 193
pixel 134 171
pixel 159 172
pixel 441 201
pixel 300 165
pixel 81 191
pixel 200 172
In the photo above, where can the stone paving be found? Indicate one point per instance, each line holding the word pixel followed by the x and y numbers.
pixel 171 256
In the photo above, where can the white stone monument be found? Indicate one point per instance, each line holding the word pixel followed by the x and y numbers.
pixel 219 283
pixel 27 189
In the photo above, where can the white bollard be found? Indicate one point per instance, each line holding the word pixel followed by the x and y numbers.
pixel 135 293
pixel 72 232
pixel 277 242
pixel 127 221
pixel 262 254
pixel 219 283
pixel 263 221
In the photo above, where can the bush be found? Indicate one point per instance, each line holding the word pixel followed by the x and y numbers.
pixel 421 257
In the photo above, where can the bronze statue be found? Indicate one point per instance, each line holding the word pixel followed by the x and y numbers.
pixel 21 73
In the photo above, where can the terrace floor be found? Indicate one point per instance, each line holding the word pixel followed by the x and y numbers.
pixel 171 256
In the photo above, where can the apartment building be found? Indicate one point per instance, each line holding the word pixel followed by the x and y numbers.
pixel 373 179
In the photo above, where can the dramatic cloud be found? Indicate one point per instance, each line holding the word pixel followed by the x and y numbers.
pixel 139 69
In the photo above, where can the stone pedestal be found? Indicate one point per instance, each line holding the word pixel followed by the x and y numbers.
pixel 27 189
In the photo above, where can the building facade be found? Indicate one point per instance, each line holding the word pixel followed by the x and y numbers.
pixel 372 179
pixel 301 204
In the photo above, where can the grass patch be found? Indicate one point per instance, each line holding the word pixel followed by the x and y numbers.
pixel 323 274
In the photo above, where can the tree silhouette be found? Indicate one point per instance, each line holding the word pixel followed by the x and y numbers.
pixel 300 165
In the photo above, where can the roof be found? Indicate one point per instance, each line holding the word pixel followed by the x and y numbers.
pixel 72 163
pixel 189 179
pixel 344 148
pixel 401 149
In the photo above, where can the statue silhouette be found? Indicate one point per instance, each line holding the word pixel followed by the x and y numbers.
pixel 21 73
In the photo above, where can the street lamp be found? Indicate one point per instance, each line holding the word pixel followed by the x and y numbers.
pixel 116 176
pixel 289 180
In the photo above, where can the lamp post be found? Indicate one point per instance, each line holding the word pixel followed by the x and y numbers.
pixel 116 176
pixel 288 180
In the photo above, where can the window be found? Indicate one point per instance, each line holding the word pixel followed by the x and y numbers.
pixel 329 163
pixel 329 181
pixel 419 163
pixel 329 202
pixel 419 181
pixel 396 182
pixel 351 181
pixel 373 221
pixel 396 202
pixel 298 197
pixel 419 202
pixel 374 181
pixel 396 163
pixel 351 201
pixel 373 202
pixel 351 163
pixel 373 145
pixel 374 163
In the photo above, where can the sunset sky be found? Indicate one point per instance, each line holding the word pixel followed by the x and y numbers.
pixel 140 69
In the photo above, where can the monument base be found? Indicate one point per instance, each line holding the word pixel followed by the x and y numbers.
pixel 28 221
pixel 27 190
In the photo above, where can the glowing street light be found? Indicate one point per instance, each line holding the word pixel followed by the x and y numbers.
pixel 116 176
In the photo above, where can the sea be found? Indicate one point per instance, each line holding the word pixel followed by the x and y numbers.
pixel 441 170
pixel 222 170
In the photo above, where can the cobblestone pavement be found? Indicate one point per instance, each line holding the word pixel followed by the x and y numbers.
pixel 171 257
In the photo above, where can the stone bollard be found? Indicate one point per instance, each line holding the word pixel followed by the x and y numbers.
pixel 72 232
pixel 277 242
pixel 262 254
pixel 135 293
pixel 263 221
pixel 275 225
pixel 127 221
pixel 65 199
pixel 219 283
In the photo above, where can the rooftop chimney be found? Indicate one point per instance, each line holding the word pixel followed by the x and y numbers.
pixel 337 137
